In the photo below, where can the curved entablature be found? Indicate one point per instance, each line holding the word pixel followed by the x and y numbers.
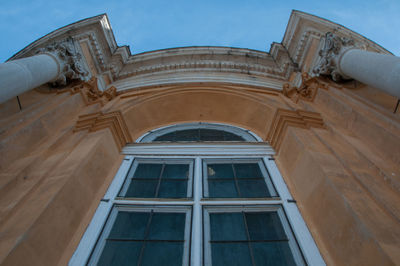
pixel 198 132
pixel 116 66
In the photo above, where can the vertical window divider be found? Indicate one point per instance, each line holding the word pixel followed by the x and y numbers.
pixel 146 234
pixel 196 256
pixel 236 181
pixel 159 180
pixel 248 239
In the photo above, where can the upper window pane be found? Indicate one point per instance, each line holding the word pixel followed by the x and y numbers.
pixel 158 179
pixel 237 179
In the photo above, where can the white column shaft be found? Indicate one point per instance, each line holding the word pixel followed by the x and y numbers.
pixel 376 70
pixel 25 74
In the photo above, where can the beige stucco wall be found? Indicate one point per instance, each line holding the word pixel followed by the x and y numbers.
pixel 344 176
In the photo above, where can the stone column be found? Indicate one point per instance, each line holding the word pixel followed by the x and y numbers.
pixel 58 64
pixel 342 59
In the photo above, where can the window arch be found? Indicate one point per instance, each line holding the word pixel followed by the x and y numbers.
pixel 199 132
pixel 197 203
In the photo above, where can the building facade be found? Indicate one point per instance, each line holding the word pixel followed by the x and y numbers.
pixel 315 121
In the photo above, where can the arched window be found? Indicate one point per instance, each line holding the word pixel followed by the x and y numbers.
pixel 199 132
pixel 197 194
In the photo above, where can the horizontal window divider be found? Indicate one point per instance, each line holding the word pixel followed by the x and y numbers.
pixel 153 202
pixel 247 241
pixel 238 179
pixel 144 240
pixel 241 202
pixel 212 148
pixel 162 179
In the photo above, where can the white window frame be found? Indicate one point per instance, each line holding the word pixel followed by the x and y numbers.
pixel 199 152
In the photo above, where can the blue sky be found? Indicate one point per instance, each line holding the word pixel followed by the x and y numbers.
pixel 157 24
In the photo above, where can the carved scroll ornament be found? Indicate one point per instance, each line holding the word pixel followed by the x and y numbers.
pixel 70 60
pixel 334 46
pixel 307 89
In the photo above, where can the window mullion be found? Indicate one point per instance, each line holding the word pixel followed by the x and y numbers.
pixel 197 215
pixel 145 237
pixel 236 182
pixel 159 180
pixel 248 239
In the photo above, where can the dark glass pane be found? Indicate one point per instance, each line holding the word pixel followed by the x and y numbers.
pixel 247 170
pixel 120 253
pixel 232 137
pixel 187 135
pixel 129 225
pixel 265 226
pixel 166 137
pixel 211 135
pixel 167 226
pixel 230 254
pixel 173 189
pixel 142 189
pixel 148 170
pixel 219 171
pixel 272 253
pixel 201 134
pixel 180 171
pixel 227 226
pixel 253 188
pixel 222 189
pixel 162 253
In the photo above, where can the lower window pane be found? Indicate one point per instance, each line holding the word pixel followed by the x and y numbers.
pixel 227 226
pixel 120 253
pixel 230 254
pixel 129 225
pixel 265 226
pixel 272 253
pixel 249 235
pixel 162 253
pixel 144 236
pixel 167 226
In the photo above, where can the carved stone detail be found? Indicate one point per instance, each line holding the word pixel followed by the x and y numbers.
pixel 114 121
pixel 70 60
pixel 92 94
pixel 334 46
pixel 306 91
pixel 283 119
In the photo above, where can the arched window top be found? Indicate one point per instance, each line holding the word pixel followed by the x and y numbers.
pixel 199 132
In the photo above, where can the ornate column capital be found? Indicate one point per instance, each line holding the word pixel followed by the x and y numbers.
pixel 70 61
pixel 334 47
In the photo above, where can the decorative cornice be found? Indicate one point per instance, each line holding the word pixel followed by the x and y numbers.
pixel 70 61
pixel 334 47
pixel 306 91
pixel 114 121
pixel 291 118
pixel 304 41
pixel 91 94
